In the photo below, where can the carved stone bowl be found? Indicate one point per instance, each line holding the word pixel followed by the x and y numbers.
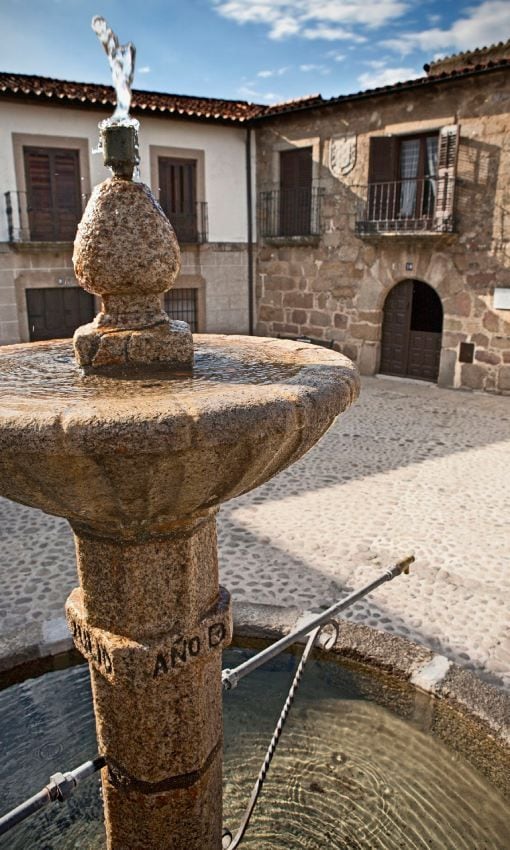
pixel 128 455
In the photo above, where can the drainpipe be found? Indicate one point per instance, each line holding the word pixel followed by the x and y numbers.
pixel 249 201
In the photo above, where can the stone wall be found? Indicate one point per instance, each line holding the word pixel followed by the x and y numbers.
pixel 334 287
pixel 217 270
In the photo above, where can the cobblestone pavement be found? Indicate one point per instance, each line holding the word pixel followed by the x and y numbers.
pixel 409 468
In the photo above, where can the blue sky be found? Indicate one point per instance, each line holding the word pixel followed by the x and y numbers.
pixel 258 50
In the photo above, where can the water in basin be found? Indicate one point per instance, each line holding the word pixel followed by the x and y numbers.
pixel 49 370
pixel 349 773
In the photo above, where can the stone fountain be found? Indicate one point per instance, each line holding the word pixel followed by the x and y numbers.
pixel 136 438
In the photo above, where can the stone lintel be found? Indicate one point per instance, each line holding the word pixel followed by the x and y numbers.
pixel 119 658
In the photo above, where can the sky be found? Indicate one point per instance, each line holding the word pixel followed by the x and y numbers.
pixel 263 51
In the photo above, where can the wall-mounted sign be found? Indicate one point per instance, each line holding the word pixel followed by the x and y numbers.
pixel 409 267
pixel 342 154
pixel 501 298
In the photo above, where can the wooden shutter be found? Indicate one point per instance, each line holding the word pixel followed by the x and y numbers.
pixel 67 199
pixel 178 195
pixel 296 191
pixel 53 193
pixel 446 172
pixel 382 176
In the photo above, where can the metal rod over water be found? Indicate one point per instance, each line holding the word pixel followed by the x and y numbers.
pixel 231 678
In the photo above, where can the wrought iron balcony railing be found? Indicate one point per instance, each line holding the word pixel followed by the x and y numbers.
pixel 406 206
pixel 26 222
pixel 291 212
pixel 190 226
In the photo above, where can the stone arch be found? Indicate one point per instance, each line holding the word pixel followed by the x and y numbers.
pixel 412 326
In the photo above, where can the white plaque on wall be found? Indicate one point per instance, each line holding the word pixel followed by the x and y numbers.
pixel 501 298
pixel 342 154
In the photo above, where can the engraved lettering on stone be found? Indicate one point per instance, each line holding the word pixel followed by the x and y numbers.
pixel 217 633
pixel 194 646
pixel 178 651
pixel 342 154
pixel 161 666
pixel 91 646
pixel 184 649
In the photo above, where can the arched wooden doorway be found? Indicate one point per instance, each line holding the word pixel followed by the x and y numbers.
pixel 411 333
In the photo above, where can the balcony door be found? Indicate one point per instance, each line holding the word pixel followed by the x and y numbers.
pixel 53 193
pixel 412 331
pixel 178 195
pixel 296 192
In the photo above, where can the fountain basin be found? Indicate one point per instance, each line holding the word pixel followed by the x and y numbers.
pixel 133 453
pixel 366 760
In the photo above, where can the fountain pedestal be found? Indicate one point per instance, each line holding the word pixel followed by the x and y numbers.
pixel 152 621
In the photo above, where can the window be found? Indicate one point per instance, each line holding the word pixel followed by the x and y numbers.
pixel 182 304
pixel 411 181
pixel 296 192
pixel 417 168
pixel 178 196
pixel 53 193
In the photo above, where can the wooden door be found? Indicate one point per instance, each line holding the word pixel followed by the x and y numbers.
pixel 425 333
pixel 55 312
pixel 424 354
pixel 296 192
pixel 53 193
pixel 396 328
pixel 412 331
pixel 178 195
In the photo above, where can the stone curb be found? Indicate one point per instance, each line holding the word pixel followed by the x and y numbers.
pixel 469 715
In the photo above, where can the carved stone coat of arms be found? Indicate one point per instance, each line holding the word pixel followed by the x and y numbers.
pixel 342 154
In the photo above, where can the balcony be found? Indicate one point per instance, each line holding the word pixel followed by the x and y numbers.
pixel 406 206
pixel 191 226
pixel 291 214
pixel 28 223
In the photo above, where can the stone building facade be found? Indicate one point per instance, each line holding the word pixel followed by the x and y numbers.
pixel 340 272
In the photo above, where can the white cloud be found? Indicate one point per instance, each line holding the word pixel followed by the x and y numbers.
pixel 333 34
pixel 145 69
pixel 387 77
pixel 335 55
pixel 249 93
pixel 376 64
pixel 330 20
pixel 319 69
pixel 277 72
pixel 480 26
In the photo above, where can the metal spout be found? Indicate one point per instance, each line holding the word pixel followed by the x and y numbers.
pixel 120 149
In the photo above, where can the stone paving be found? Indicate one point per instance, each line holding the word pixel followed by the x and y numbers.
pixel 410 468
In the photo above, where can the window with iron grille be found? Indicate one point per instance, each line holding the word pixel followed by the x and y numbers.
pixel 182 304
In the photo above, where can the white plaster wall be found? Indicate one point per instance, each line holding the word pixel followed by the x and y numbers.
pixel 224 147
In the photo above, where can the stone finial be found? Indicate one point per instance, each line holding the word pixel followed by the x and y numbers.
pixel 126 252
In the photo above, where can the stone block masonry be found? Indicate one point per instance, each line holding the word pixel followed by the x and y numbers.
pixel 335 289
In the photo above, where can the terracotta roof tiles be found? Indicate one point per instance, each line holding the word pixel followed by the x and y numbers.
pixel 205 108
